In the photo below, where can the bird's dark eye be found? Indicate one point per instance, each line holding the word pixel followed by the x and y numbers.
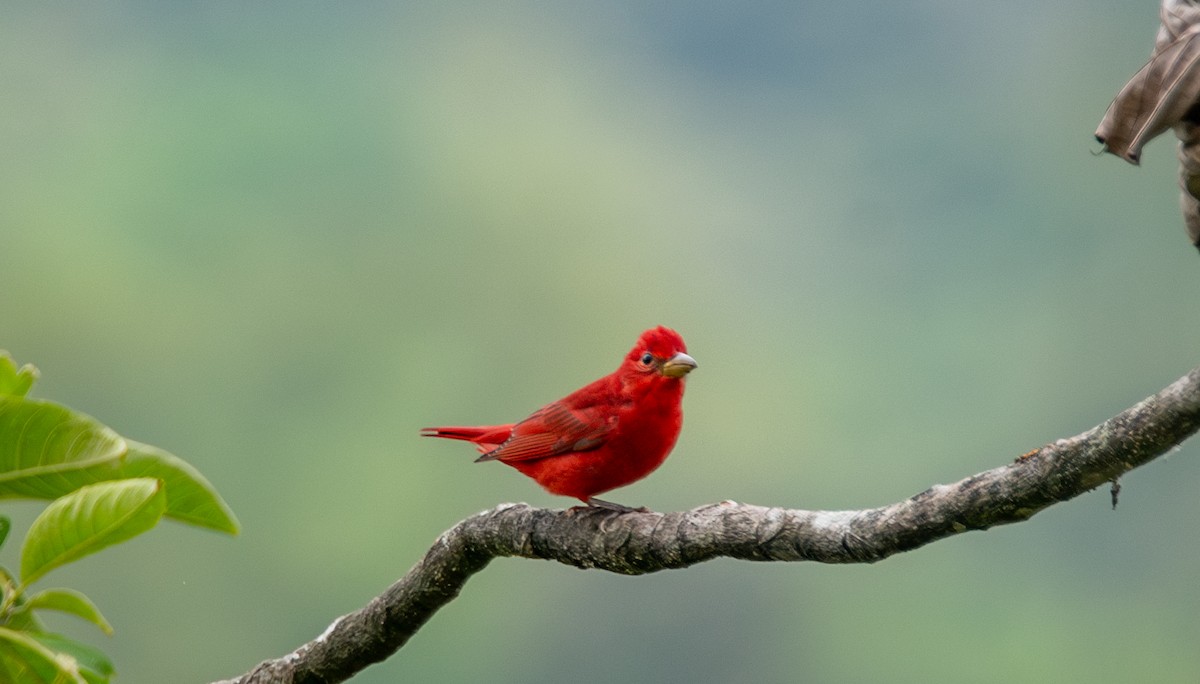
pixel 647 357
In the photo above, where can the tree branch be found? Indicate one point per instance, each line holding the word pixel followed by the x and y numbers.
pixel 636 543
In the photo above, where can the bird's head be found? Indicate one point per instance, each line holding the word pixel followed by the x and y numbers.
pixel 660 351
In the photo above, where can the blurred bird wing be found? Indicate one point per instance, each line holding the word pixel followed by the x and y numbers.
pixel 555 429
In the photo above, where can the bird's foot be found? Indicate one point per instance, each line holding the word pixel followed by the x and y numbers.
pixel 593 502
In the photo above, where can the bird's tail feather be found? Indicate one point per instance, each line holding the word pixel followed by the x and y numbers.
pixel 485 437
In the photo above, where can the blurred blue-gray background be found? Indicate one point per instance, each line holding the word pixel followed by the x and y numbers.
pixel 277 239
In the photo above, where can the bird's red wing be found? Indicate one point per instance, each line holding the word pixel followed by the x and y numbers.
pixel 552 430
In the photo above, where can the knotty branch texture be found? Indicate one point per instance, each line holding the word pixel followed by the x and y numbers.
pixel 636 543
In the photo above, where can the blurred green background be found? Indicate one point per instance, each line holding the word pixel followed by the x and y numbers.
pixel 277 239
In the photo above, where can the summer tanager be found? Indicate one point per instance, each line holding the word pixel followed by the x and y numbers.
pixel 605 435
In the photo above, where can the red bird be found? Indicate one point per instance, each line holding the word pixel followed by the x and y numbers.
pixel 605 435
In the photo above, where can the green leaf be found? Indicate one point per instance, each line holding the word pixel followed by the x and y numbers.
pixel 190 497
pixel 5 528
pixel 41 443
pixel 88 520
pixel 67 601
pixel 47 451
pixel 30 662
pixel 12 381
pixel 7 673
pixel 24 621
pixel 93 664
pixel 18 617
pixel 9 595
pixel 6 577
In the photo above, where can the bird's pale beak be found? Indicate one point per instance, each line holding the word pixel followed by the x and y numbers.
pixel 678 366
